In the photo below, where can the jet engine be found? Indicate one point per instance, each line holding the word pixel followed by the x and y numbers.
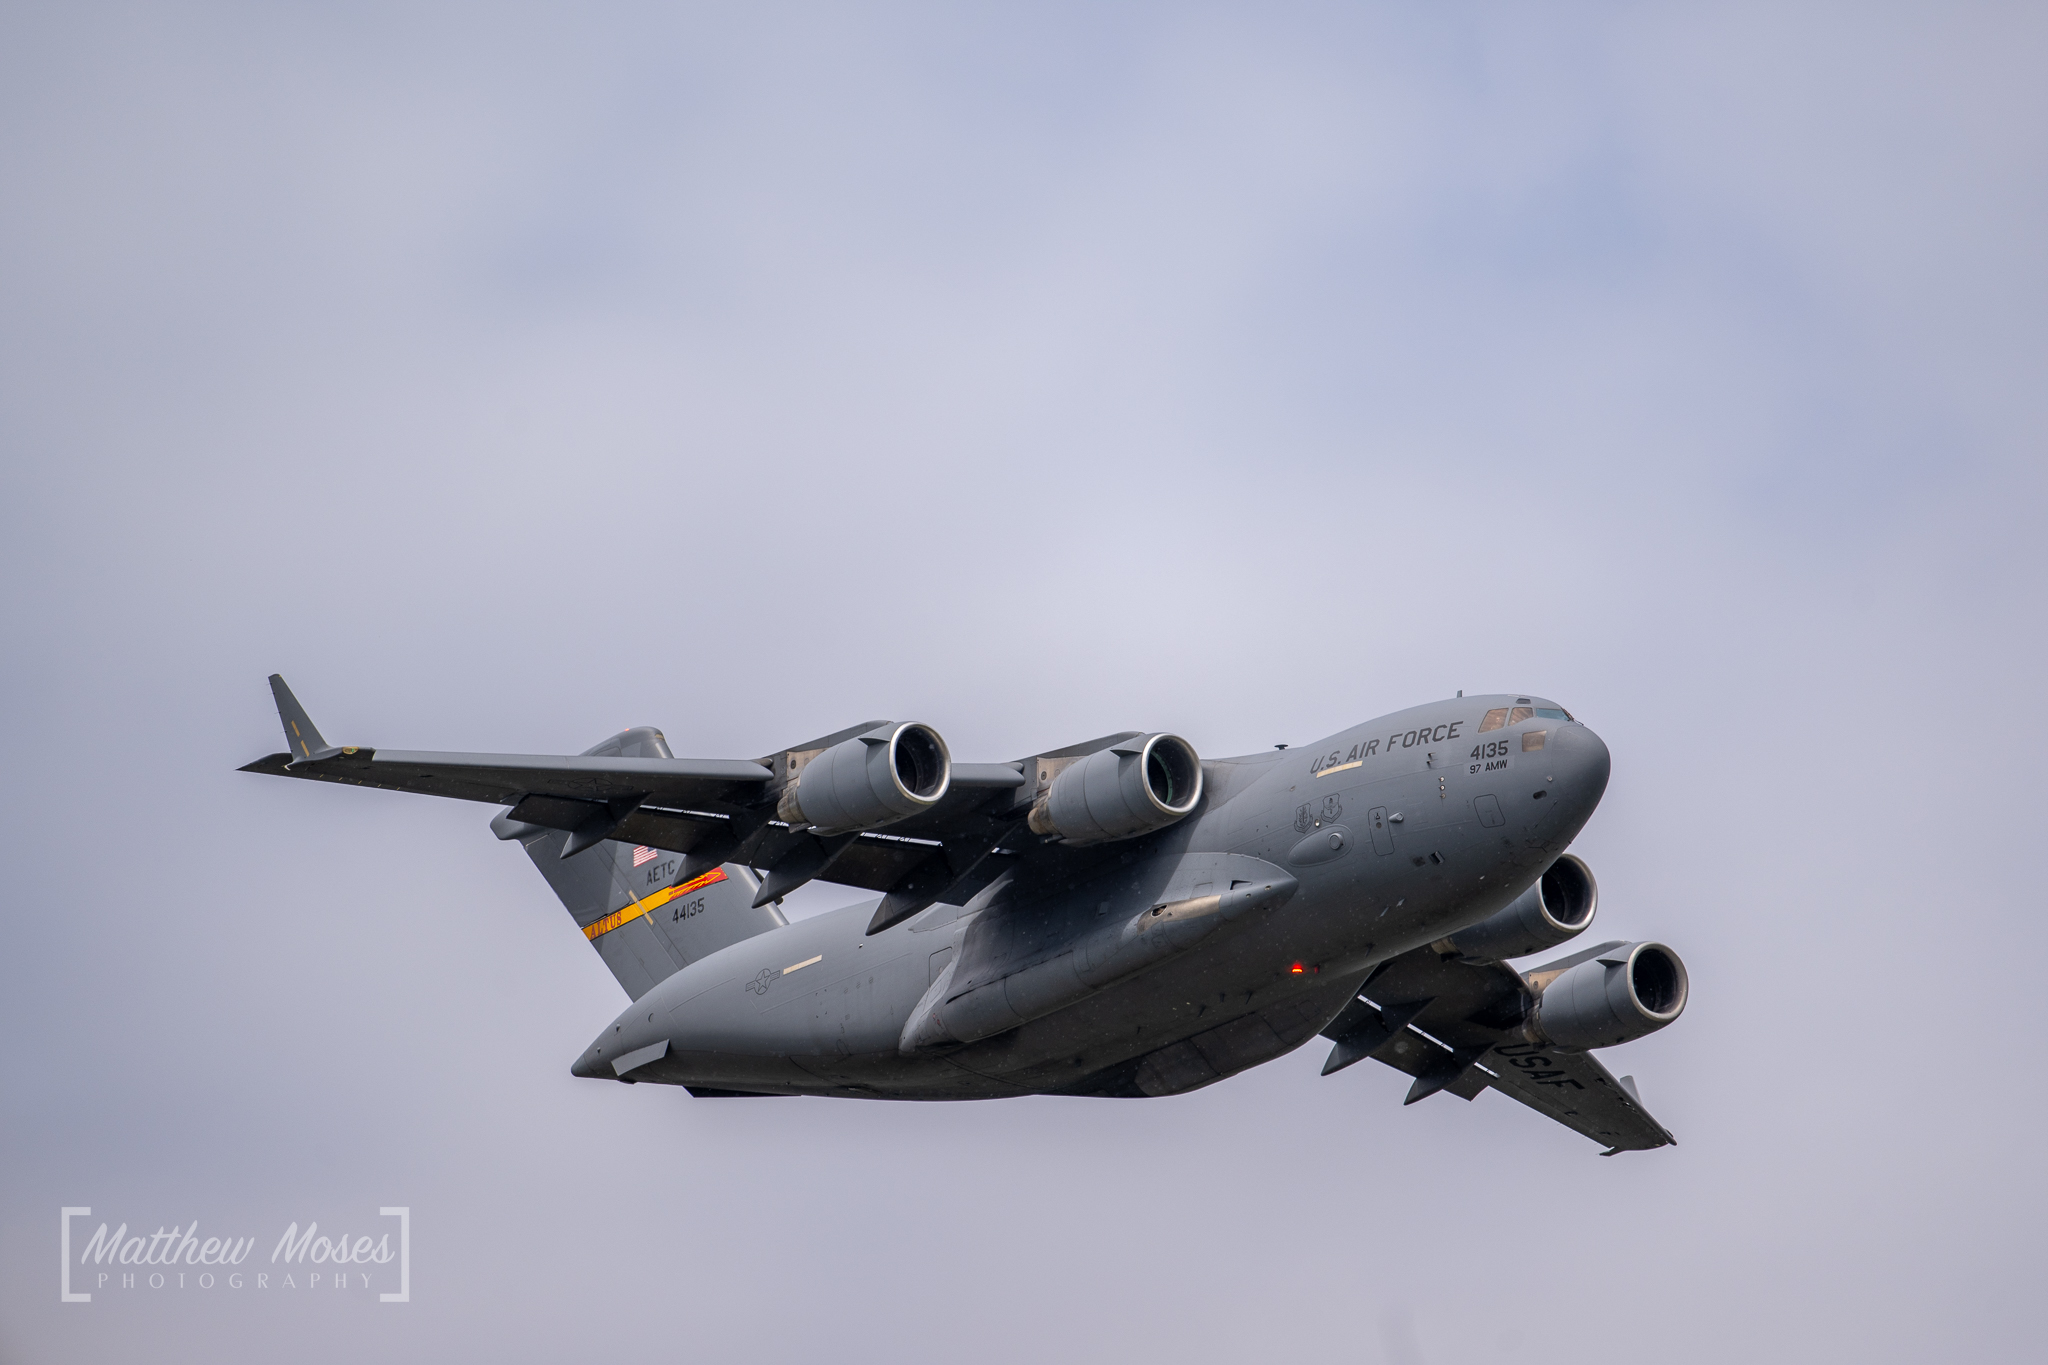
pixel 1624 994
pixel 1557 909
pixel 1133 788
pixel 870 780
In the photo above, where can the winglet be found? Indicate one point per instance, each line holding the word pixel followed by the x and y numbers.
pixel 300 736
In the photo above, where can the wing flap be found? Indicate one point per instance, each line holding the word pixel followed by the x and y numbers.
pixel 664 781
pixel 877 864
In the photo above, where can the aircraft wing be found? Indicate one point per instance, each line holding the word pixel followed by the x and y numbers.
pixel 710 810
pixel 505 779
pixel 1579 1092
pixel 1454 1026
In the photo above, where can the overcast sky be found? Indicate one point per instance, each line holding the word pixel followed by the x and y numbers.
pixel 508 376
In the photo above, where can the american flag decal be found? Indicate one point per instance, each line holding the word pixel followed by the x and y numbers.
pixel 643 854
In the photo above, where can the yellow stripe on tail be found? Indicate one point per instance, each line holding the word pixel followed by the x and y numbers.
pixel 652 903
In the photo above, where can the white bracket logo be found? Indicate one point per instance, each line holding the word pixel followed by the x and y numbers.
pixel 403 1213
pixel 64 1255
pixel 404 1216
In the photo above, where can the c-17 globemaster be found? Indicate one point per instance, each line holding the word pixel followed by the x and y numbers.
pixel 1114 918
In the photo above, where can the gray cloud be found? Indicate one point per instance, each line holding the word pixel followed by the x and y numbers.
pixel 508 376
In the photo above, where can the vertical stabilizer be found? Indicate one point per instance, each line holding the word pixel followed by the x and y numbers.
pixel 633 904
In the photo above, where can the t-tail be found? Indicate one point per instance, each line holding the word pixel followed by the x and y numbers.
pixel 632 902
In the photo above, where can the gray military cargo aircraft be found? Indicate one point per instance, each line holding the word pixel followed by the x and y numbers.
pixel 1115 918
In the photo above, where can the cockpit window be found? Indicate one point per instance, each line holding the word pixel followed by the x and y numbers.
pixel 1502 716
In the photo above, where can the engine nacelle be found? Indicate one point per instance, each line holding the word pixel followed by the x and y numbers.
pixel 870 780
pixel 1119 793
pixel 1622 995
pixel 1557 909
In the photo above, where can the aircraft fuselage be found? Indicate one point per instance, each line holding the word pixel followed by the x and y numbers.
pixel 1324 860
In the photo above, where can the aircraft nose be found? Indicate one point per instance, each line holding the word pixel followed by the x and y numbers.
pixel 1581 760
